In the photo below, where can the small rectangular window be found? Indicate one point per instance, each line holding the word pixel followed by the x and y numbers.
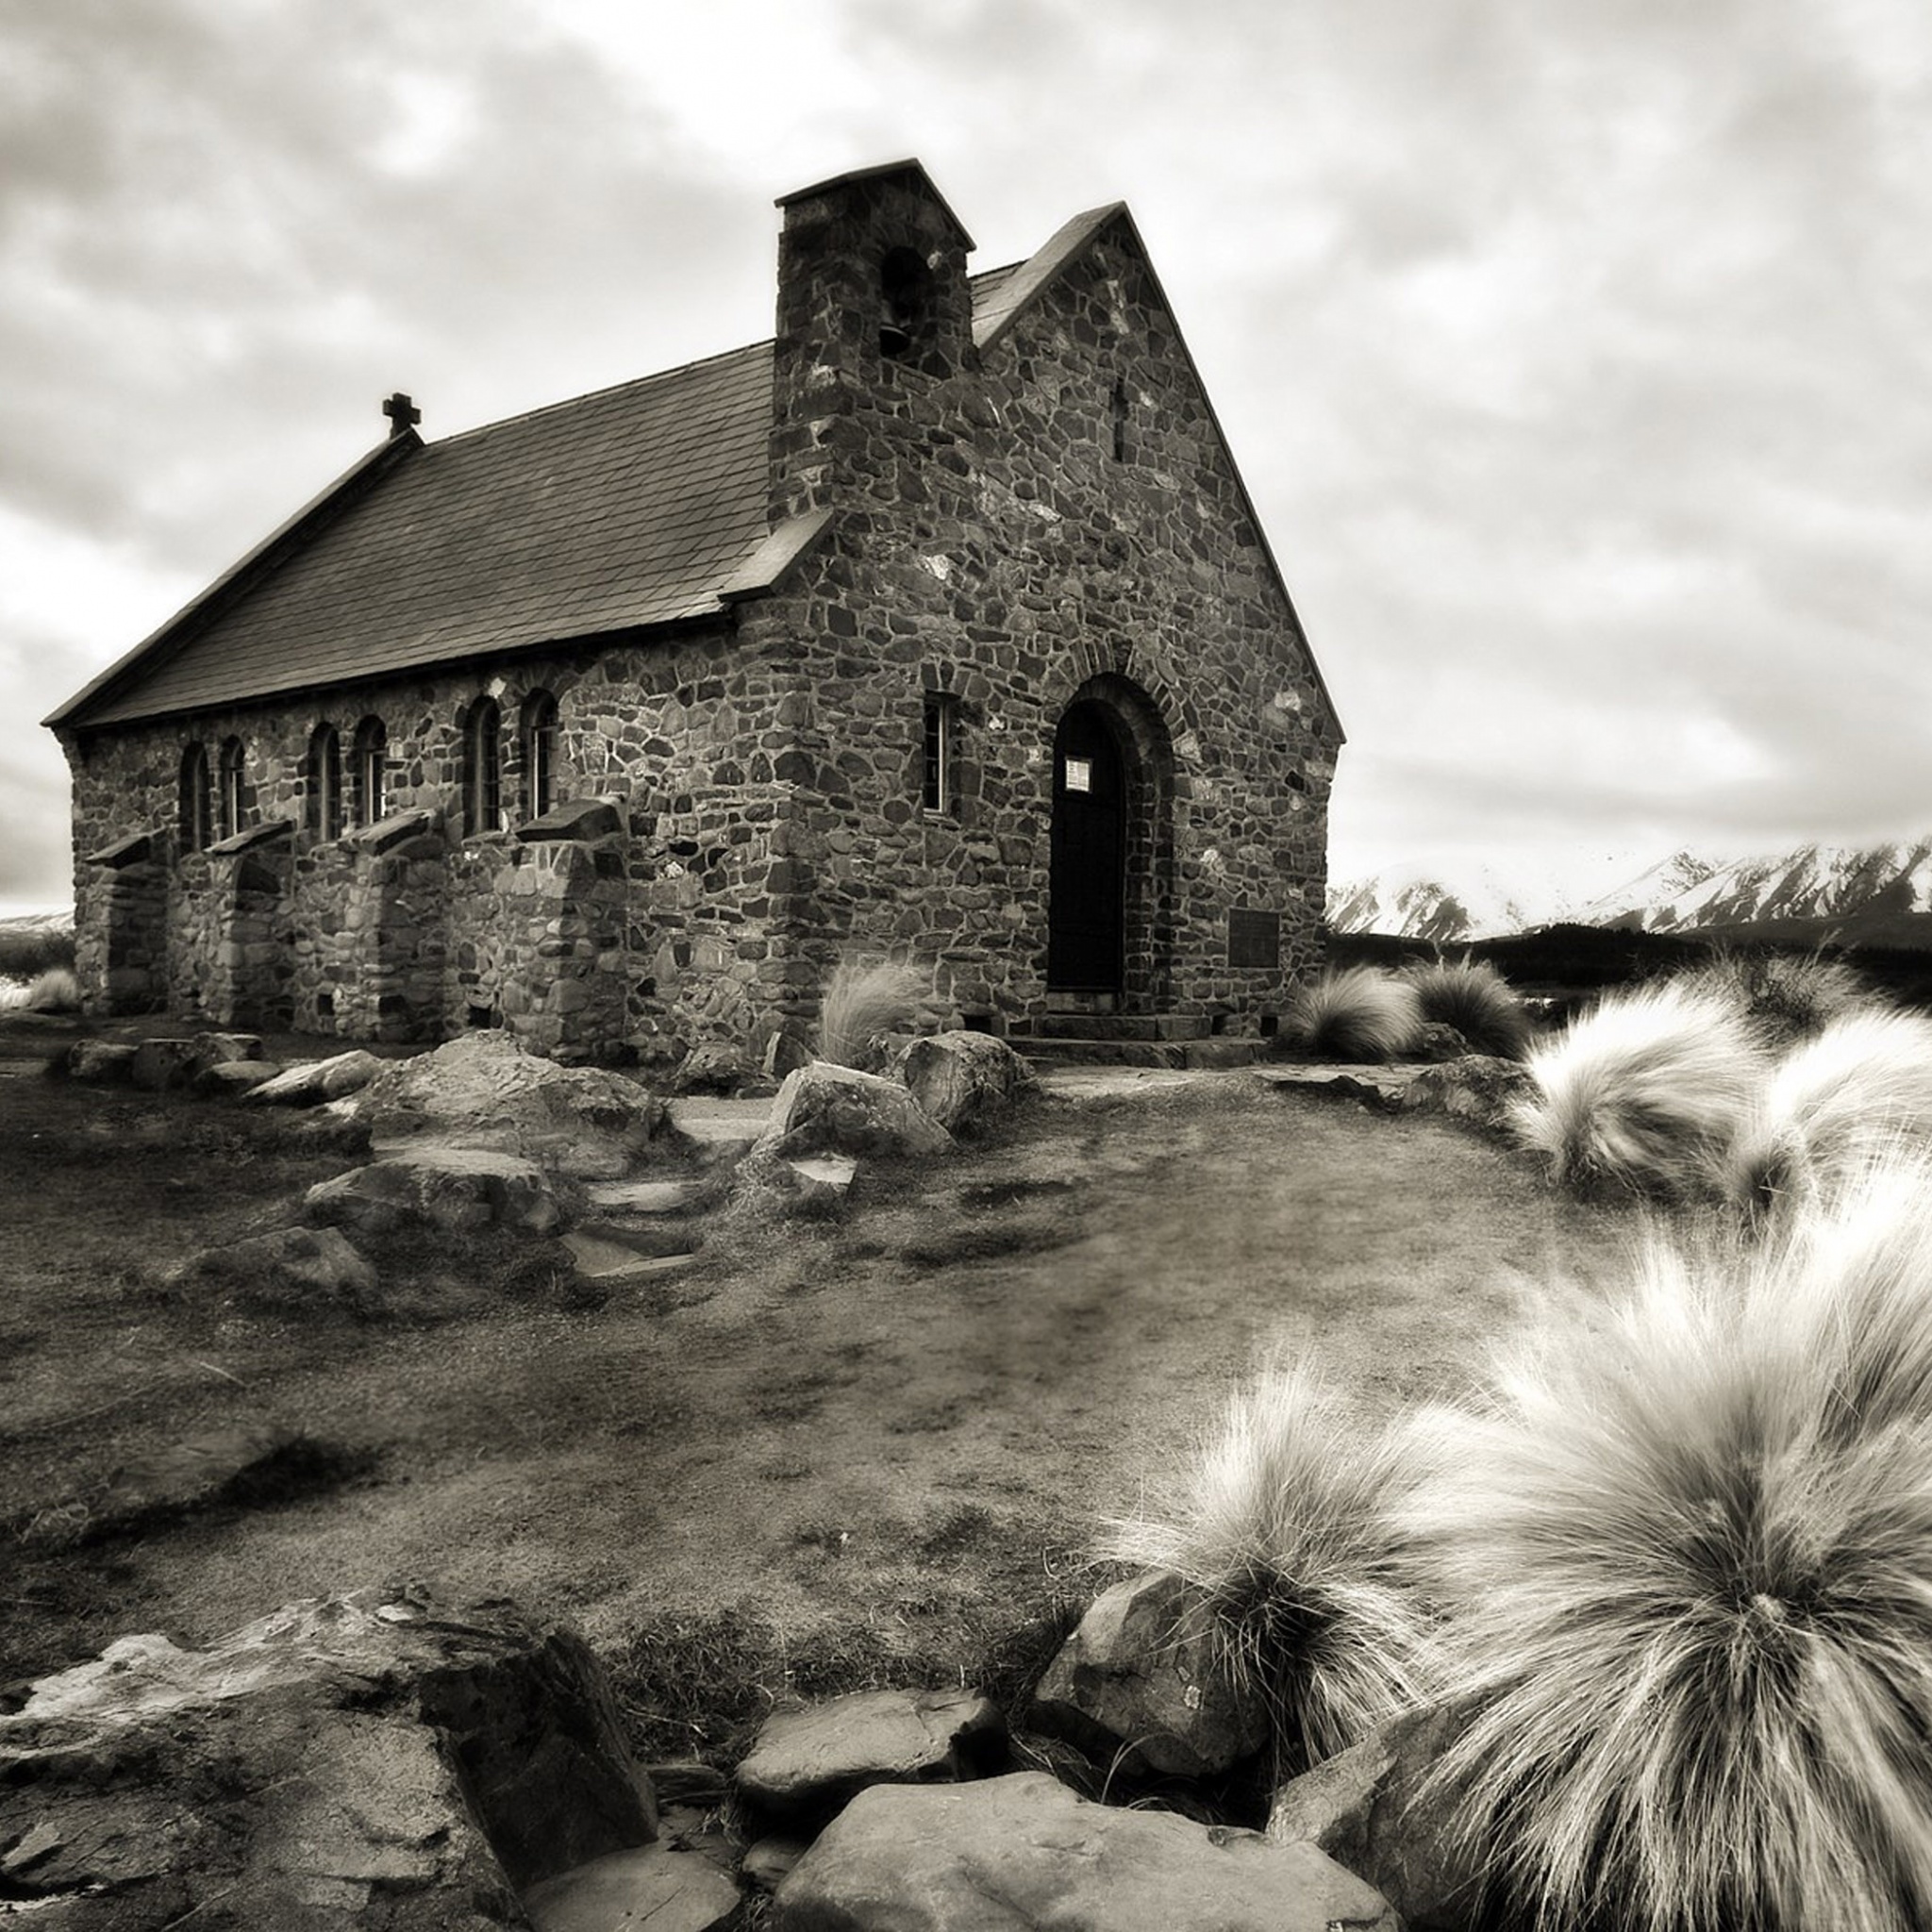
pixel 937 794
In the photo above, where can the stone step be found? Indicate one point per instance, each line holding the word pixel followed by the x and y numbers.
pixel 1192 1055
pixel 639 1200
pixel 1120 1026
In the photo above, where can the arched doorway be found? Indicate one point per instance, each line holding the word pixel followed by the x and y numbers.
pixel 1086 952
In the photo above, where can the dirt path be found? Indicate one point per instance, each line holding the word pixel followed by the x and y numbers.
pixel 897 1422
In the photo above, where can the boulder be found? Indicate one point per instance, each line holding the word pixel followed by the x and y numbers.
pixel 712 1067
pixel 104 1062
pixel 231 1079
pixel 160 1065
pixel 652 1886
pixel 1478 1087
pixel 212 1048
pixel 295 1263
pixel 962 1078
pixel 375 1760
pixel 452 1187
pixel 1015 1854
pixel 486 1091
pixel 1368 1809
pixel 806 1763
pixel 314 1081
pixel 828 1109
pixel 1142 1669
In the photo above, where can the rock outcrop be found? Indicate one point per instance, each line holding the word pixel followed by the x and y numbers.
pixel 375 1760
pixel 486 1090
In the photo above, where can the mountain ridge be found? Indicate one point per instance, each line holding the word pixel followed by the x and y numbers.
pixel 1855 892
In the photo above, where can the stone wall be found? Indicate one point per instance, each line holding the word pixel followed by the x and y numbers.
pixel 1047 517
pixel 1059 521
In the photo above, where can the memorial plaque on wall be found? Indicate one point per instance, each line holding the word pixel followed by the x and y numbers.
pixel 1253 939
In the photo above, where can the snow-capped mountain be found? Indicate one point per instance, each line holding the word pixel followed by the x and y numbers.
pixel 1860 885
pixel 1415 907
pixel 1812 882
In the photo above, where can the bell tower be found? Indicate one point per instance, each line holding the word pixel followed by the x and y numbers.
pixel 874 318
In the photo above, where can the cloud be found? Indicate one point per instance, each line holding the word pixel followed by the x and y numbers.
pixel 1575 357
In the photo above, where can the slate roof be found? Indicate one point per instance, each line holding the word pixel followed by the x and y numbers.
pixel 636 506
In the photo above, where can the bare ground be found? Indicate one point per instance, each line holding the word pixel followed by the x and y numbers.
pixel 826 1454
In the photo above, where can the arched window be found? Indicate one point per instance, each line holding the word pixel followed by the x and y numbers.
pixel 324 786
pixel 196 833
pixel 369 772
pixel 228 794
pixel 483 769
pixel 538 735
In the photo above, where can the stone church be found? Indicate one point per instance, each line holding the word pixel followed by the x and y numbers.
pixel 939 627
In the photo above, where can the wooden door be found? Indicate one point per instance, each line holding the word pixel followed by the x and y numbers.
pixel 1088 865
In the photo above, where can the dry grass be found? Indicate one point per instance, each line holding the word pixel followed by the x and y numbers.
pixel 1474 998
pixel 1786 996
pixel 1833 1104
pixel 1647 1093
pixel 862 1003
pixel 1285 1523
pixel 1359 1013
pixel 1686 1557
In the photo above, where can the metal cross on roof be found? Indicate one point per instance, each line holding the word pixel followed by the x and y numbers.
pixel 402 413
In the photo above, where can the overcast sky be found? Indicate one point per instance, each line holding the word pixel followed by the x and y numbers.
pixel 1579 357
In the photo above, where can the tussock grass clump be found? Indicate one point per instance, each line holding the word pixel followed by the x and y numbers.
pixel 1472 998
pixel 1787 996
pixel 1647 1092
pixel 862 1003
pixel 1359 1013
pixel 1832 1105
pixel 1284 1523
pixel 28 949
pixel 55 990
pixel 1686 1557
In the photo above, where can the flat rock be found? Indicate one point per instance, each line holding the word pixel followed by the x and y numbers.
pixel 454 1188
pixel 828 1109
pixel 380 1760
pixel 212 1048
pixel 641 1198
pixel 190 1474
pixel 1024 1852
pixel 597 1260
pixel 824 1177
pixel 961 1078
pixel 314 1081
pixel 486 1090
pixel 1383 1088
pixel 809 1762
pixel 1366 1807
pixel 231 1079
pixel 652 1888
pixel 1140 1669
